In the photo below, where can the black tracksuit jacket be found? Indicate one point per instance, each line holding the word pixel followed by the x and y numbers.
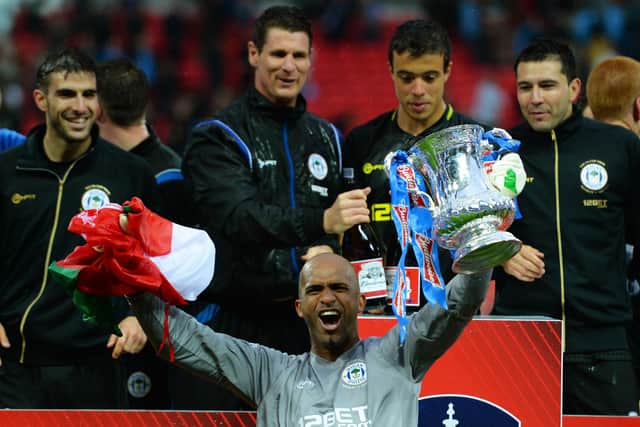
pixel 38 200
pixel 261 177
pixel 365 149
pixel 583 188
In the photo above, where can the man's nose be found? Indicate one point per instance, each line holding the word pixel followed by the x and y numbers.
pixel 327 296
pixel 289 63
pixel 80 104
pixel 536 95
pixel 418 88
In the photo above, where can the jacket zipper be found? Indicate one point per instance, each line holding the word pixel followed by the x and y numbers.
pixel 292 194
pixel 47 259
pixel 556 175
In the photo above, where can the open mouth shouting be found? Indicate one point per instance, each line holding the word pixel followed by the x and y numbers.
pixel 330 319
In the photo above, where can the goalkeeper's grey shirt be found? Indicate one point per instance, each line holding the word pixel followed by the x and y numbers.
pixel 375 383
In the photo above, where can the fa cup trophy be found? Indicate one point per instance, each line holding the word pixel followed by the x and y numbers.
pixel 469 216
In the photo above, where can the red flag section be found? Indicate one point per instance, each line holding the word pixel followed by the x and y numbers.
pixel 115 262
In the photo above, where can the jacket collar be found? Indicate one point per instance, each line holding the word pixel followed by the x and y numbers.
pixel 570 125
pixel 278 112
pixel 147 144
pixel 564 129
pixel 144 146
pixel 442 123
pixel 34 156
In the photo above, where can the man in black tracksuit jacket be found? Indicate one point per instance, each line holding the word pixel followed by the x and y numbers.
pixel 124 95
pixel 265 175
pixel 579 206
pixel 50 357
pixel 420 64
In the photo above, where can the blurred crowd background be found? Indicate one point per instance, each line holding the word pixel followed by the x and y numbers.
pixel 194 51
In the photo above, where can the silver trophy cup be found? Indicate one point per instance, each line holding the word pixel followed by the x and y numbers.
pixel 469 215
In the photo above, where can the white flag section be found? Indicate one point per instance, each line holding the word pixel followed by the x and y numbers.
pixel 190 264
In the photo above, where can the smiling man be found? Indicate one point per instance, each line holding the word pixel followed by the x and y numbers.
pixel 579 207
pixel 265 176
pixel 343 380
pixel 50 357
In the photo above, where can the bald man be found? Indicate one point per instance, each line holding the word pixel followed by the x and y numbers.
pixel 362 382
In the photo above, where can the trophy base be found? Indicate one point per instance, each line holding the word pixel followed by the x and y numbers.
pixel 484 250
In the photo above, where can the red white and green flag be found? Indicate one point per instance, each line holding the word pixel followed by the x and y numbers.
pixel 155 255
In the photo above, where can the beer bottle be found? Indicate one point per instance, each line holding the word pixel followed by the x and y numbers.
pixel 361 247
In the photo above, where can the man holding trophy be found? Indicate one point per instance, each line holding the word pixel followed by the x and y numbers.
pixel 420 65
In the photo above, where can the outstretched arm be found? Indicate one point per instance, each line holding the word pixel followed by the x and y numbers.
pixel 433 329
pixel 244 368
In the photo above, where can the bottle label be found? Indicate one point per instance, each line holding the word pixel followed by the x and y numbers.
pixel 370 273
pixel 412 288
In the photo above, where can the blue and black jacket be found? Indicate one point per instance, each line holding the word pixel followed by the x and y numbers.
pixel 261 176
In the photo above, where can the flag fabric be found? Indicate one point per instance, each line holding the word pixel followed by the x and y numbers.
pixel 153 255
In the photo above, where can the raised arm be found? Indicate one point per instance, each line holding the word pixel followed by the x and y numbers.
pixel 432 330
pixel 245 368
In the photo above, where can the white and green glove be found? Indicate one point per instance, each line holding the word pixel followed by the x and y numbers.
pixel 502 164
pixel 507 174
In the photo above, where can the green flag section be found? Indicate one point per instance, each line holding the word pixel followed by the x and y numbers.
pixel 129 250
pixel 96 309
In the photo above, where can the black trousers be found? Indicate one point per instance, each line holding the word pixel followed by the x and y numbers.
pixel 93 384
pixel 274 325
pixel 599 384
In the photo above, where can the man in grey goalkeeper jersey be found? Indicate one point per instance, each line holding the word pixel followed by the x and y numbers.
pixel 343 381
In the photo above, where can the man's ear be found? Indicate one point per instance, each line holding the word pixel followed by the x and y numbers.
pixel 299 308
pixel 575 87
pixel 252 51
pixel 362 301
pixel 447 71
pixel 40 98
pixel 636 109
pixel 101 116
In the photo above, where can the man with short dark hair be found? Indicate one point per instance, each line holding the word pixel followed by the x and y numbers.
pixel 420 65
pixel 578 208
pixel 342 380
pixel 124 95
pixel 50 357
pixel 265 176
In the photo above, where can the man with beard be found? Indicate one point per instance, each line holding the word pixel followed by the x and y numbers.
pixel 50 357
pixel 342 379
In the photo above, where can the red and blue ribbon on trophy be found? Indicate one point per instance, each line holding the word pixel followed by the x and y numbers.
pixel 413 221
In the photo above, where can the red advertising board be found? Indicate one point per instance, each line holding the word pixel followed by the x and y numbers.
pixel 512 365
pixel 501 372
pixel 10 418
